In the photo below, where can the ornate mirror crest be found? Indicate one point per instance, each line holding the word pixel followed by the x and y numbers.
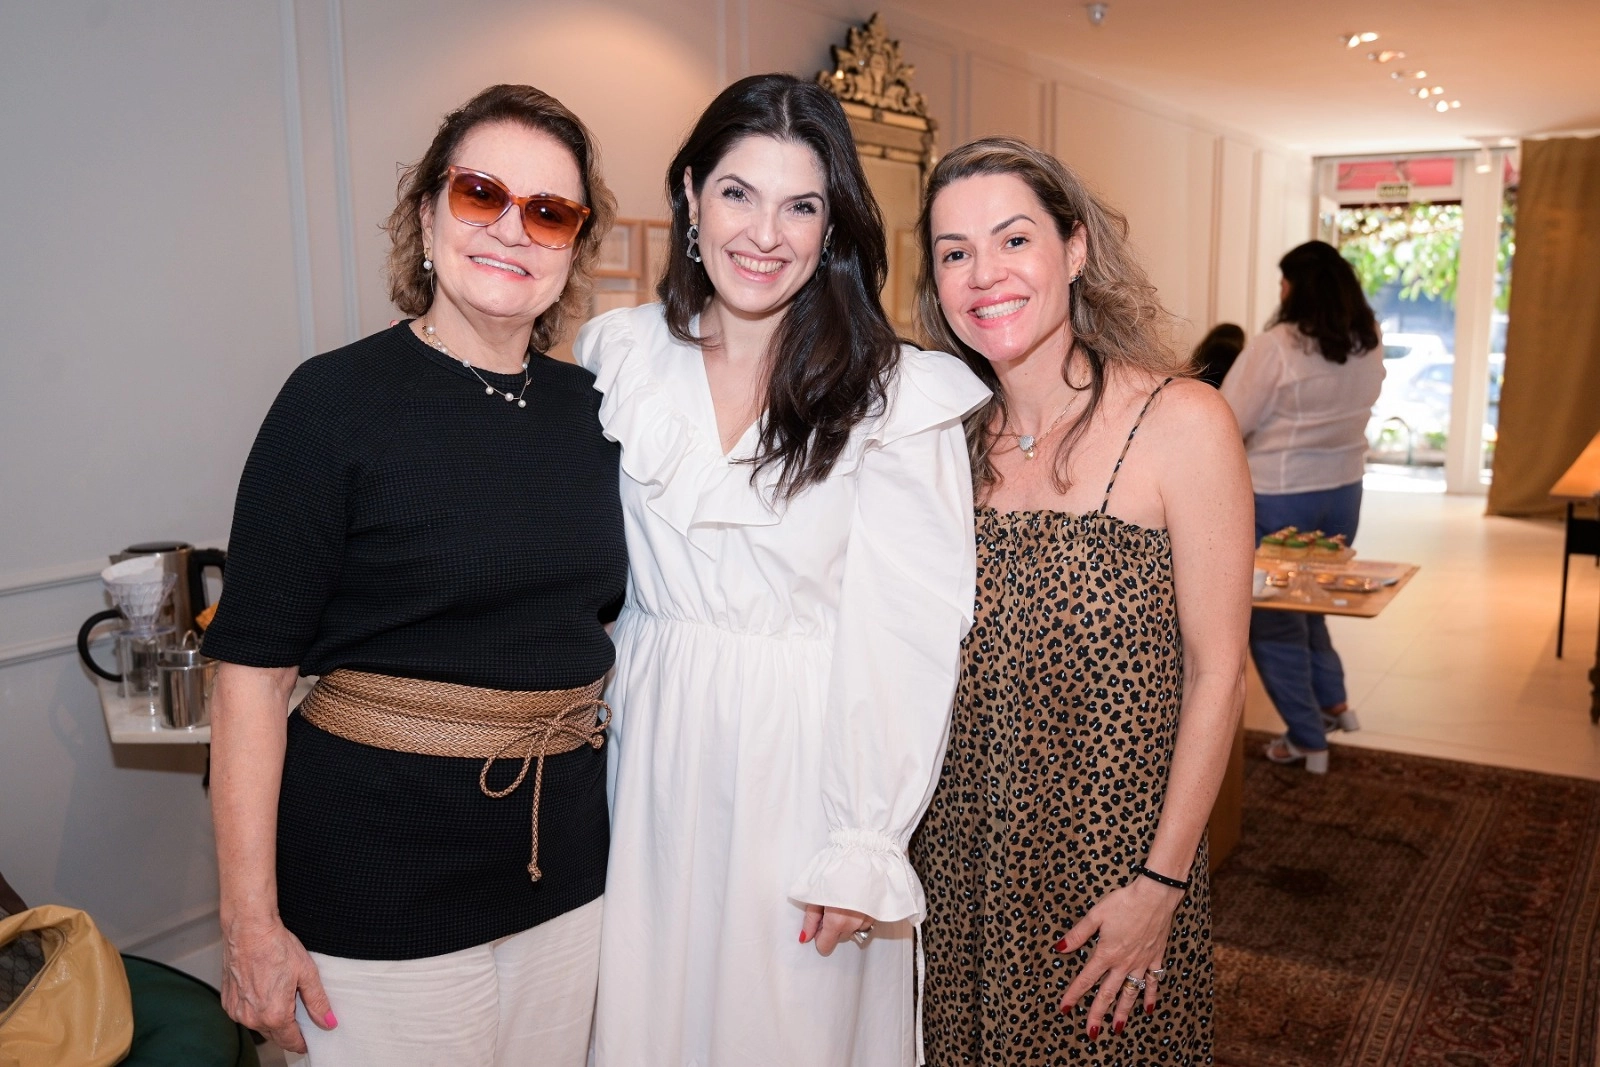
pixel 895 139
pixel 873 83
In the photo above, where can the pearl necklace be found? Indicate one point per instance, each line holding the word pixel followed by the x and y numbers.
pixel 428 336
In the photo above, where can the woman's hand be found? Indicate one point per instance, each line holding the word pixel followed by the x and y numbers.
pixel 1132 924
pixel 829 926
pixel 263 965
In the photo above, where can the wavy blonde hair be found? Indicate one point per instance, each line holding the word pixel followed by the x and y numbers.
pixel 1116 317
pixel 411 287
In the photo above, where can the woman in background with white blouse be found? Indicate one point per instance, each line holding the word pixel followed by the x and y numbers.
pixel 1303 391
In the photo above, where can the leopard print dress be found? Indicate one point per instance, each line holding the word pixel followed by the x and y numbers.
pixel 1053 782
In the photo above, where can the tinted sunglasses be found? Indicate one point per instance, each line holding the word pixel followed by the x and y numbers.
pixel 479 199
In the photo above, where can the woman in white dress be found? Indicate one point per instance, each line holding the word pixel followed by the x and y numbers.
pixel 798 506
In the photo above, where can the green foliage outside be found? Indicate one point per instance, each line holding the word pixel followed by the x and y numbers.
pixel 1419 246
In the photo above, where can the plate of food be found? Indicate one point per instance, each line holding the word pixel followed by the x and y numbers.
pixel 1350 583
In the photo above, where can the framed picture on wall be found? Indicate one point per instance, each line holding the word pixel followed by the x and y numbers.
pixel 657 242
pixel 619 252
pixel 632 257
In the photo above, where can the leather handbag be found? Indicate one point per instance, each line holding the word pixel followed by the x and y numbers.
pixel 76 1011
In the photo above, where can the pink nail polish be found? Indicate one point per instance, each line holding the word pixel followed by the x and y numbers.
pixel 330 1021
pixel 1059 946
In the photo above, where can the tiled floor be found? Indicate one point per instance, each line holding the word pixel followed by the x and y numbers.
pixel 1462 665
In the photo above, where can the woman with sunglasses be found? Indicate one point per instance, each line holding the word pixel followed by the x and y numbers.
pixel 429 522
pixel 799 516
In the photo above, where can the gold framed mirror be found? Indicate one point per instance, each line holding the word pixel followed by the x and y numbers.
pixel 895 139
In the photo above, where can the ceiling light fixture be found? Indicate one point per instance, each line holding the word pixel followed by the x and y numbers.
pixel 1441 106
pixel 1482 161
pixel 1454 104
pixel 1419 75
pixel 1385 56
pixel 1355 40
pixel 1097 13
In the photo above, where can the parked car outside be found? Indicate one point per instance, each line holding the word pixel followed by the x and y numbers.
pixel 1411 421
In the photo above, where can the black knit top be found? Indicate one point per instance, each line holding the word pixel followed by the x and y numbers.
pixel 395 518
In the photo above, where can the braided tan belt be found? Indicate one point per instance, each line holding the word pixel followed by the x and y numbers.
pixel 443 719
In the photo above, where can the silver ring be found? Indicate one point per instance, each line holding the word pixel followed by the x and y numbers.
pixel 1135 984
pixel 862 936
pixel 1157 973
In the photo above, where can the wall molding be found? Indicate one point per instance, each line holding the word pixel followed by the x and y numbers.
pixel 62 574
pixel 44 648
pixel 294 146
pixel 343 181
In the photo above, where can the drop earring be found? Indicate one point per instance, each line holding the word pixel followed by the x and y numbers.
pixel 693 251
pixel 427 260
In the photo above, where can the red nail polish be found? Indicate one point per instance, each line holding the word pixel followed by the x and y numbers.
pixel 803 937
pixel 1094 1032
pixel 1060 946
pixel 1149 1009
pixel 330 1021
pixel 1117 1027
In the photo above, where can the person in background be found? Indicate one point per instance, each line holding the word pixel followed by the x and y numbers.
pixel 1302 392
pixel 1216 352
pixel 1064 850
pixel 429 522
pixel 799 515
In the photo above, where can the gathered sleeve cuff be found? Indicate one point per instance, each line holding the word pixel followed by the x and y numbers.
pixel 906 604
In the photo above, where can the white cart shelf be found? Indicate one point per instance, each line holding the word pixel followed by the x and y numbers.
pixel 136 722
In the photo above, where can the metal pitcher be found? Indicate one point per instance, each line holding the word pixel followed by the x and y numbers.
pixel 187 678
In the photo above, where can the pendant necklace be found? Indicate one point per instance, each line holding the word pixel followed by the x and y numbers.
pixel 1028 443
pixel 434 342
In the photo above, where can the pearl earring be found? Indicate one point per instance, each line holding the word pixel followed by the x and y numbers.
pixel 427 259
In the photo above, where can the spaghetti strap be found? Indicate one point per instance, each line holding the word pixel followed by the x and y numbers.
pixel 1129 443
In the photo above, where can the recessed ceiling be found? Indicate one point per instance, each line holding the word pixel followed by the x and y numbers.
pixel 1279 68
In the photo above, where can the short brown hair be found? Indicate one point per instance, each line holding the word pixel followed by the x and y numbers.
pixel 411 288
pixel 1117 318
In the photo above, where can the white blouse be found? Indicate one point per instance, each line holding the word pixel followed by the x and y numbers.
pixel 1304 419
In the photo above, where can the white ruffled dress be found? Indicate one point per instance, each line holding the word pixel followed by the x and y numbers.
pixel 781 702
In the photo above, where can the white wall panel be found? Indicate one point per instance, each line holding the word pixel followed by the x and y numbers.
pixel 1005 101
pixel 1236 222
pixel 1158 175
pixel 151 315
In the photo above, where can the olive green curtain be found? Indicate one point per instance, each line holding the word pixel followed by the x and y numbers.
pixel 1550 400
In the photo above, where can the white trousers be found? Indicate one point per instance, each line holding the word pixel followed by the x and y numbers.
pixel 523 1001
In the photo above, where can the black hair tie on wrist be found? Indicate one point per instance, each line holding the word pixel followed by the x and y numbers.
pixel 1171 883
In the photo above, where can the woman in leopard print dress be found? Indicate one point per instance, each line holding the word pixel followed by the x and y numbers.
pixel 1063 852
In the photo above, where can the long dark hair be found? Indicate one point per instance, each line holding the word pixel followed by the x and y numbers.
pixel 1213 357
pixel 1116 317
pixel 411 287
pixel 1325 302
pixel 833 353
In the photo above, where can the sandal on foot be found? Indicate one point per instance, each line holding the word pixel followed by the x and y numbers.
pixel 1282 750
pixel 1344 719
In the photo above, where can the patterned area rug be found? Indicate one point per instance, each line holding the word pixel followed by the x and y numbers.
pixel 1409 911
